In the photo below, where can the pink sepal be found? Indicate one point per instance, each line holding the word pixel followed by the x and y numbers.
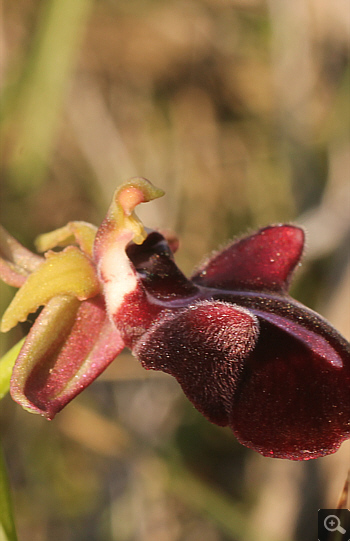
pixel 69 345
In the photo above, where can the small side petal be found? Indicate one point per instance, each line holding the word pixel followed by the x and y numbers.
pixel 16 262
pixel 82 233
pixel 69 345
pixel 69 272
pixel 204 347
pixel 262 262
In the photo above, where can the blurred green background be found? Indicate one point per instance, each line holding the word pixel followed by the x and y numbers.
pixel 239 110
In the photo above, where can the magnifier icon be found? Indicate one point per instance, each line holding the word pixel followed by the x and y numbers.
pixel 332 524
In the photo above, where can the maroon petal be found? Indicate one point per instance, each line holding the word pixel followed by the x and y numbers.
pixel 69 345
pixel 203 346
pixel 262 262
pixel 293 399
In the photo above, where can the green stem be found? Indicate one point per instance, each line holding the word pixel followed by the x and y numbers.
pixel 7 524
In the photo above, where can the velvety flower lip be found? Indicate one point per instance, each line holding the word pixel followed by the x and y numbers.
pixel 203 346
pixel 296 357
pixel 246 354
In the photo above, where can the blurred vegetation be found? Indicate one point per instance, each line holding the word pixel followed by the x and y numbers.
pixel 239 110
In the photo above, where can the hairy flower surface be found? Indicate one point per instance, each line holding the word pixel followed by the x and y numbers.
pixel 245 353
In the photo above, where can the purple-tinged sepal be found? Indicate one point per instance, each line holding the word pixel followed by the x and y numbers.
pixel 69 345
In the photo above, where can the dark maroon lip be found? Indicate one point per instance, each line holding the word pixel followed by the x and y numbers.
pixel 296 357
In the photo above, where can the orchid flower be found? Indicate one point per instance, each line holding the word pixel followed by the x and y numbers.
pixel 245 353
